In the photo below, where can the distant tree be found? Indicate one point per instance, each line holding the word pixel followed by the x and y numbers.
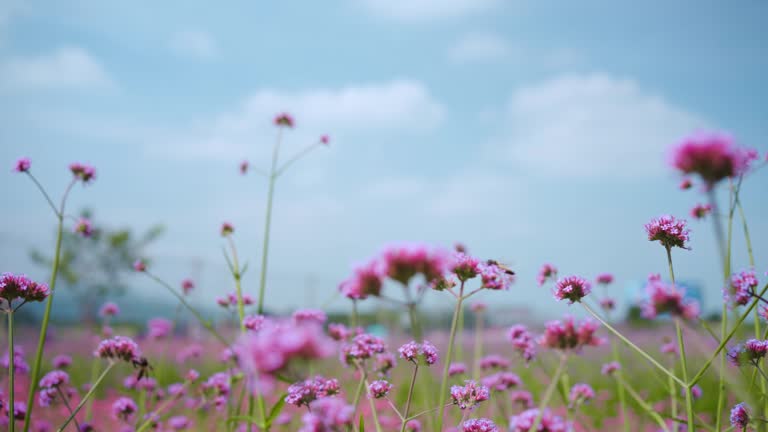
pixel 91 267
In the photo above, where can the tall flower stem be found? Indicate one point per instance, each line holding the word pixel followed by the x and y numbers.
pixel 444 382
pixel 66 404
pixel 35 376
pixel 86 397
pixel 11 370
pixel 374 412
pixel 236 275
pixel 684 367
pixel 645 405
pixel 629 343
pixel 548 392
pixel 268 221
pixel 673 401
pixel 410 395
pixel 725 258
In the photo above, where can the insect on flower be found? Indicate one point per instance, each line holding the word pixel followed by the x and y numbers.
pixel 143 366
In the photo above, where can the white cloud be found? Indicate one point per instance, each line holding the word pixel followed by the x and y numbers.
pixel 194 44
pixel 67 67
pixel 592 126
pixel 420 10
pixel 394 106
pixel 479 47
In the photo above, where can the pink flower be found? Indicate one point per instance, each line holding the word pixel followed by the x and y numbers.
pixel 465 267
pixel 469 395
pixel 306 392
pixel 501 381
pixel 61 361
pixel 567 335
pixel 668 231
pixel 413 426
pixel 493 361
pixel 19 287
pixel 338 331
pixel 243 167
pixel 179 423
pixel 580 393
pixel 284 119
pixel 83 172
pixel 740 416
pixel 124 408
pixel 751 351
pixel 700 211
pixel 378 389
pixel 713 156
pixel 663 298
pixel 608 304
pixel 227 229
pixel 325 139
pixel 496 278
pixel 159 328
pixel 457 369
pixel 604 279
pixel 384 363
pixel 572 288
pixel 193 351
pixel 413 351
pixel 522 341
pixel 741 288
pixel 22 165
pixel 610 368
pixel 479 425
pixel 522 398
pixel 549 422
pixel 310 315
pixel 118 348
pixel 366 280
pixel 362 347
pixel 253 322
pixel 328 415
pixel 669 348
pixel 109 309
pixel 685 184
pixel 403 262
pixel 18 360
pixel 83 227
pixel 139 265
pixel 547 271
pixel 50 385
pixel 187 285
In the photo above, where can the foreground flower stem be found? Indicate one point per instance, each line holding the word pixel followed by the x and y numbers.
pixel 410 395
pixel 684 366
pixel 11 369
pixel 35 376
pixel 446 367
pixel 87 396
pixel 548 392
pixel 268 222
pixel 639 350
pixel 644 405
pixel 66 404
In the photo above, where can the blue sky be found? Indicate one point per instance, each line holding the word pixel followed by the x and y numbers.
pixel 532 131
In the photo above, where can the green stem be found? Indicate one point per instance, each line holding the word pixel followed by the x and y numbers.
pixel 644 405
pixel 673 402
pixel 66 404
pixel 548 392
pixel 11 371
pixel 295 158
pixel 94 375
pixel 684 366
pixel 639 350
pixel 87 396
pixel 725 258
pixel 444 383
pixel 620 389
pixel 358 392
pixel 238 285
pixel 268 222
pixel 410 395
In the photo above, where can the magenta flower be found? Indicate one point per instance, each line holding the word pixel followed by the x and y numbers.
pixel 413 351
pixel 522 341
pixel 284 119
pixel 741 288
pixel 19 363
pixel 124 408
pixel 83 227
pixel 178 423
pixel 187 285
pixel 305 392
pixel 572 288
pixel 338 331
pixel 457 369
pixel 478 307
pixel 366 280
pixel 493 361
pixel 669 348
pixel 567 335
pixel 384 363
pixel 50 385
pixel 109 309
pixel 685 184
pixel 227 229
pixel 663 298
pixel 19 287
pixel 253 322
pixel 668 231
pixel 740 416
pixel 413 426
pixel 696 392
pixel 469 395
pixel 610 368
pixel 403 262
pixel 139 265
pixel 159 328
pixel 580 393
pixel 752 351
pixel 495 278
pixel 310 315
pixel 325 139
pixel 378 389
pixel 328 415
pixel 61 361
pixel 244 167
pixel 22 165
pixel 604 279
pixel 465 267
pixel 549 422
pixel 362 347
pixel 82 172
pixel 522 398
pixel 501 381
pixel 479 425
pixel 547 271
pixel 700 211
pixel 712 156
pixel 118 348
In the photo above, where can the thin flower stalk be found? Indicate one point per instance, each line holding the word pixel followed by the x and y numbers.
pixel 550 389
pixel 87 396
pixel 11 369
pixel 444 382
pixel 410 395
pixel 268 221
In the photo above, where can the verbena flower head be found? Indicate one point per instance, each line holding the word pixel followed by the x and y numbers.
pixel 610 368
pixel 20 365
pixel 50 385
pixel 384 363
pixel 159 328
pixel 306 392
pixel 109 309
pixel 696 392
pixel 549 422
pixel 712 156
pixel 669 347
pixel 338 331
pixel 494 361
pixel 668 231
pixel 284 119
pixel 479 425
pixel 19 287
pixel 522 398
pixel 83 227
pixel 548 271
pixel 310 315
pixel 413 426
pixel 378 389
pixel 664 298
pixel 362 347
pixel 522 341
pixel 244 167
pixel 604 279
pixel 469 395
pixel 22 165
pixel 495 278
pixel 325 139
pixel 124 408
pixel 82 172
pixel 457 369
pixel 568 335
pixel 187 285
pixel 227 229
pixel 404 261
pixel 501 381
pixel 61 361
pixel 700 211
pixel 366 280
pixel 253 322
pixel 685 184
pixel 752 351
pixel 464 266
pixel 740 416
pixel 572 288
pixel 742 285
pixel 413 352
pixel 118 348
pixel 178 423
pixel 139 265
pixel 580 393
pixel 328 415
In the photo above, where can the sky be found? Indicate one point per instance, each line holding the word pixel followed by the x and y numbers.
pixel 531 131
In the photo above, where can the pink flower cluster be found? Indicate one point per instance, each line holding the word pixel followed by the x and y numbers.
pixel 479 425
pixel 580 393
pixel 547 271
pixel 159 328
pixel 549 422
pixel 664 298
pixel 494 361
pixel 700 211
pixel 361 347
pixel 668 231
pixel 378 389
pixel 327 415
pixel 751 352
pixel 118 348
pixel 310 315
pixel 469 395
pixel 501 381
pixel 739 416
pixel 572 288
pixel 19 287
pixel 567 335
pixel 712 156
pixel 22 165
pixel 413 352
pixel 305 392
pixel 83 172
pixel 366 280
pixel 522 341
pixel 604 279
pixel 741 288
pixel 50 385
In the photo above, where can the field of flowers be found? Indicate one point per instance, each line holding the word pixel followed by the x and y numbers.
pixel 304 372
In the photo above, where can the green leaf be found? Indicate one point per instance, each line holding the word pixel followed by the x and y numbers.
pixel 275 411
